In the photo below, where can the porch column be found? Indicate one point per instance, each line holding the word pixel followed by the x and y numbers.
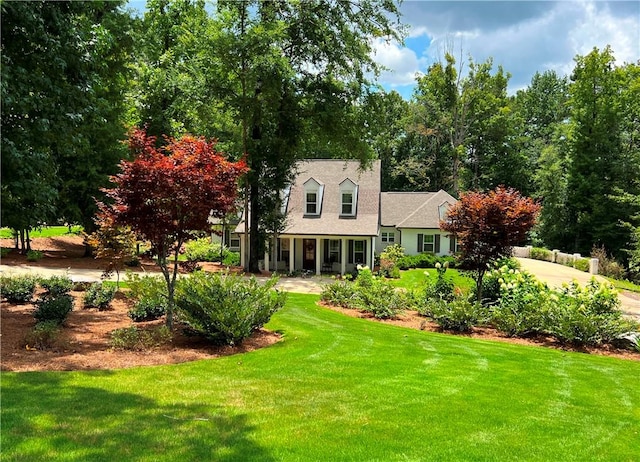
pixel 343 261
pixel 318 263
pixel 291 256
pixel 266 259
pixel 373 252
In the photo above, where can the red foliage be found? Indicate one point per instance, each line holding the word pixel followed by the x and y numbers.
pixel 165 194
pixel 489 224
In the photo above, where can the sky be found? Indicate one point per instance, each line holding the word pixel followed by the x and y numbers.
pixel 522 36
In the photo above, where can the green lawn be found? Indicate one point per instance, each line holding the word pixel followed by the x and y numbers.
pixel 416 278
pixel 50 231
pixel 624 285
pixel 336 388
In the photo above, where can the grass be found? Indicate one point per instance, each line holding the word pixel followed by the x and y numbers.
pixel 49 231
pixel 335 388
pixel 624 285
pixel 416 278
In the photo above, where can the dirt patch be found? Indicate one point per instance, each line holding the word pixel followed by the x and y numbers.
pixel 413 320
pixel 84 341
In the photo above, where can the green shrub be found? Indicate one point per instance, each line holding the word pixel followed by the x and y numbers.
pixel 581 264
pixel 380 299
pixel 4 251
pixel 231 258
pixel 458 315
pixel 18 288
pixel 99 296
pixel 133 338
pixel 149 295
pixel 204 250
pixel 441 288
pixel 57 285
pixel 388 261
pixel 607 266
pixel 34 255
pixel 339 293
pixel 538 253
pixel 56 309
pixel 226 308
pixel 43 336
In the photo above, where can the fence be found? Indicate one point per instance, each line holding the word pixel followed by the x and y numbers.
pixel 554 256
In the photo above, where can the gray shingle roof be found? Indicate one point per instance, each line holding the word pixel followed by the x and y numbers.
pixel 413 209
pixel 331 173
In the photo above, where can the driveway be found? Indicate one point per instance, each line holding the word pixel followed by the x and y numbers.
pixel 555 275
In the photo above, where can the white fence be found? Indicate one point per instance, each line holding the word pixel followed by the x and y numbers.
pixel 555 256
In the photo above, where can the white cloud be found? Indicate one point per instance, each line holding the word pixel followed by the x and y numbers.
pixel 402 62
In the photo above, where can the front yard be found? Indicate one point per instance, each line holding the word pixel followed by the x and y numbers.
pixel 335 388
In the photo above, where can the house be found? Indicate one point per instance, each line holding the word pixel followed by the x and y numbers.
pixel 412 219
pixel 337 218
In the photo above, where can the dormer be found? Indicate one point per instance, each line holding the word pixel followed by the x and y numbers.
pixel 348 198
pixel 312 197
pixel 443 209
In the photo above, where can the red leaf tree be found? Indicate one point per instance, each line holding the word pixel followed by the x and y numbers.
pixel 488 225
pixel 166 195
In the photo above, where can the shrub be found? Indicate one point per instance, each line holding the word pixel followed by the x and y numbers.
pixel 34 255
pixel 581 264
pixel 149 294
pixel 538 253
pixel 99 296
pixel 607 266
pixel 43 336
pixel 227 308
pixel 231 259
pixel 389 261
pixel 133 338
pixel 189 266
pixel 204 250
pixel 339 293
pixel 380 299
pixel 18 289
pixel 57 285
pixel 56 309
pixel 440 288
pixel 459 314
pixel 4 251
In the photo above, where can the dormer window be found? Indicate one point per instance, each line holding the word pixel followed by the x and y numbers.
pixel 348 198
pixel 312 197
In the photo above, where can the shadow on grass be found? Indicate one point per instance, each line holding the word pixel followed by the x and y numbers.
pixel 47 417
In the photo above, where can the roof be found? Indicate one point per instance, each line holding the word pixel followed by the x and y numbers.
pixel 331 173
pixel 414 209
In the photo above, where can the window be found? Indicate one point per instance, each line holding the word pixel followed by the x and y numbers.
pixel 284 250
pixel 358 252
pixel 312 197
pixel 312 203
pixel 334 250
pixel 347 203
pixel 453 245
pixel 348 198
pixel 234 243
pixel 389 237
pixel 428 243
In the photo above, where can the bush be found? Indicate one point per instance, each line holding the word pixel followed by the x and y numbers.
pixel 57 285
pixel 440 288
pixel 4 251
pixel 133 338
pixel 99 296
pixel 55 309
pixel 43 336
pixel 204 250
pixel 34 255
pixel 581 264
pixel 226 308
pixel 607 266
pixel 18 289
pixel 339 293
pixel 459 314
pixel 231 259
pixel 149 295
pixel 389 261
pixel 538 253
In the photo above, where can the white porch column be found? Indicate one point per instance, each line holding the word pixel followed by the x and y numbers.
pixel 372 253
pixel 343 261
pixel 318 263
pixel 266 260
pixel 291 256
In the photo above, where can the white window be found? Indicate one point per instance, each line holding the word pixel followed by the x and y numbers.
pixel 234 243
pixel 348 198
pixel 358 252
pixel 334 250
pixel 312 197
pixel 284 250
pixel 389 237
pixel 428 243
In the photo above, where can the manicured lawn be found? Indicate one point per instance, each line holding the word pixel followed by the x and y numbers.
pixel 624 285
pixel 51 231
pixel 336 388
pixel 416 278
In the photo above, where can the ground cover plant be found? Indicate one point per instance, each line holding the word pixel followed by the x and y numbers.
pixel 334 388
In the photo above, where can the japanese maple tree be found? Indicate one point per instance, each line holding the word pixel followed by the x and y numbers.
pixel 488 225
pixel 166 195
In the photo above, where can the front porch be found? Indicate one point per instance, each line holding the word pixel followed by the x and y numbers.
pixel 318 254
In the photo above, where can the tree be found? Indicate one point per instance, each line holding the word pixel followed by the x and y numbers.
pixel 113 243
pixel 166 195
pixel 488 225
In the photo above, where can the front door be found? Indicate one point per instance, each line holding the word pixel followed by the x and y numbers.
pixel 309 254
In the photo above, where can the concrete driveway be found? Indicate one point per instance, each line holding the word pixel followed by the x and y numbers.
pixel 555 275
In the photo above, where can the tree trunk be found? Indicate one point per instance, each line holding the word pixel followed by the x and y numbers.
pixel 254 235
pixel 28 241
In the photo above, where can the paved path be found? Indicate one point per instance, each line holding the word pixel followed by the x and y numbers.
pixel 311 285
pixel 554 275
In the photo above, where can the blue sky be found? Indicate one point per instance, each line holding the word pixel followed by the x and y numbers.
pixel 522 36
